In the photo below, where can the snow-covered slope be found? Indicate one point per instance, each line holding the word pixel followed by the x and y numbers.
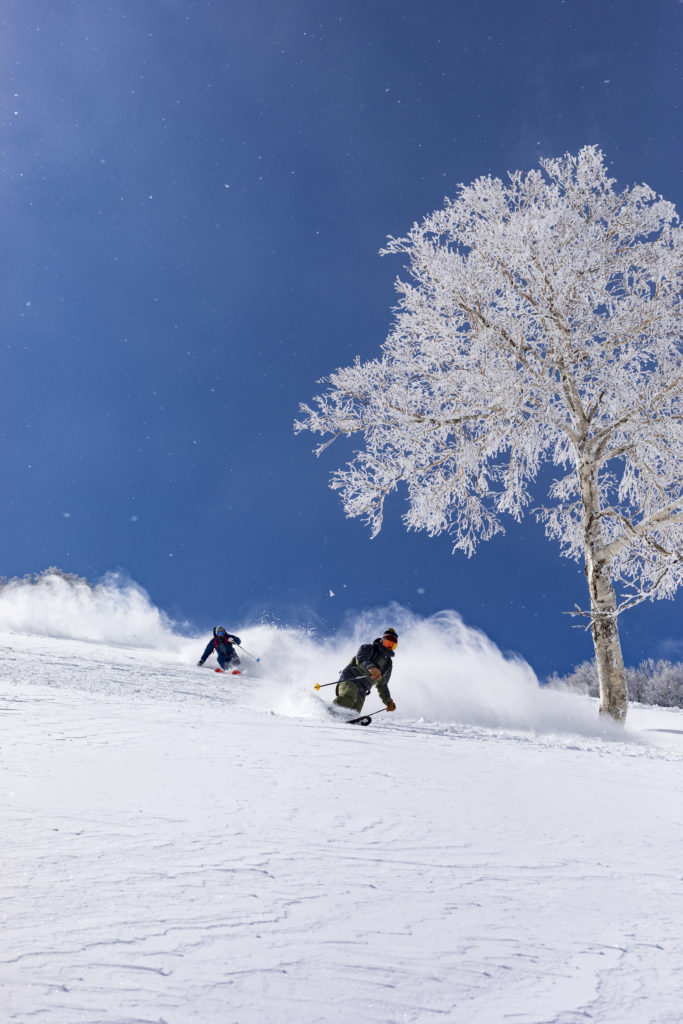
pixel 181 846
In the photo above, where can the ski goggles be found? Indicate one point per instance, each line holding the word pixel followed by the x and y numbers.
pixel 388 642
pixel 221 632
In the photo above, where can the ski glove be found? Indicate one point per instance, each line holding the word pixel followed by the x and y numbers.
pixel 374 673
pixel 200 662
pixel 391 706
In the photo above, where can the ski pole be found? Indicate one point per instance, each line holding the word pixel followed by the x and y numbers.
pixel 318 686
pixel 362 718
pixel 247 652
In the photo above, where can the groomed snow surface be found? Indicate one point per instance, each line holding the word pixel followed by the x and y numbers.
pixel 182 846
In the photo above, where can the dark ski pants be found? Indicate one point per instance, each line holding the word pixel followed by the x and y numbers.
pixel 349 696
pixel 224 662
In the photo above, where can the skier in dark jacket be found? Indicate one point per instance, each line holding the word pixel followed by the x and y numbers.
pixel 371 667
pixel 222 644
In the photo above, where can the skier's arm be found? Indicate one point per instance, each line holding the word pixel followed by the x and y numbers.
pixel 207 652
pixel 233 639
pixel 364 659
pixel 383 688
pixel 383 691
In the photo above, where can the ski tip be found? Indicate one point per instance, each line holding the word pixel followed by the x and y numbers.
pixel 218 670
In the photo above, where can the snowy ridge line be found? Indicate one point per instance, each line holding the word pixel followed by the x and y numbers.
pixel 512 711
pixel 446 672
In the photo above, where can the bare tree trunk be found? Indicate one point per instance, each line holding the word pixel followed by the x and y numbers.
pixel 605 631
pixel 603 604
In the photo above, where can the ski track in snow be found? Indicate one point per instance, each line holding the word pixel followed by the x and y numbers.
pixel 176 849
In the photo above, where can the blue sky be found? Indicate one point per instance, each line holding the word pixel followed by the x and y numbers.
pixel 193 196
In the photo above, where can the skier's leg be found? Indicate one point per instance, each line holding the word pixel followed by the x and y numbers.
pixel 227 664
pixel 349 696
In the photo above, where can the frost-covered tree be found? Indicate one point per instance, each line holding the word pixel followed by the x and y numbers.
pixel 651 682
pixel 541 324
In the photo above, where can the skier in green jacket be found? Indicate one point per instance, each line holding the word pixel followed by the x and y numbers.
pixel 371 667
